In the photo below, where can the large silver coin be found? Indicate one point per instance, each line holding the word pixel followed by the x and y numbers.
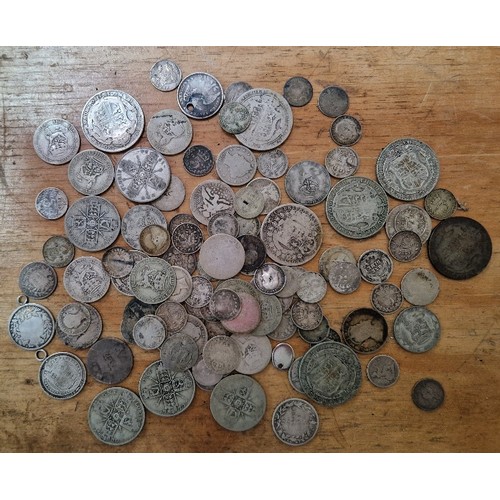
pixel 417 329
pixel 31 326
pixel 51 203
pixel 357 207
pixel 295 421
pixel 112 121
pixel 164 392
pixel 238 402
pixel 116 416
pixel 92 223
pixel 56 141
pixel 408 217
pixel 292 234
pixel 165 75
pixel 86 280
pixel 91 172
pixel 330 373
pixel 200 95
pixel 62 375
pixel 408 169
pixel 211 197
pixel 152 280
pixel 307 183
pixel 272 119
pixel 136 219
pixel 169 131
pixel 37 280
pixel 236 165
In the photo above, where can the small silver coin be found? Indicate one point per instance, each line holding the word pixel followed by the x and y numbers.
pixel 375 266
pixel 420 287
pixel 110 361
pixel 307 183
pixel 164 392
pixel 238 403
pixel 62 375
pixel 58 251
pixel 173 197
pixel 440 204
pixel 334 254
pixel 198 160
pixel 211 197
pixel 234 117
pixel 312 287
pixel 200 95
pixel 408 217
pixel 249 202
pixel 345 130
pixel 248 226
pixel 223 222
pixel 342 162
pixel 187 238
pixel 270 191
pixel 222 354
pixel 417 329
pixel 173 314
pixel 154 240
pixel 427 394
pixel 188 262
pixel 152 280
pixel 134 311
pixel 183 285
pixel 364 330
pixel 386 298
pixel 272 164
pixel 286 328
pixel 51 203
pixel 142 175
pixel 112 121
pixel 37 280
pixel 91 172
pixel 255 353
pixel 31 326
pixel 222 256
pixel 293 375
pixel 333 101
pixel 85 279
pixel 255 253
pixel 235 90
pixel 298 91
pixel 116 416
pixel 295 422
pixel 215 328
pixel 89 337
pixel 224 304
pixel 282 356
pixel 306 316
pixel 165 75
pixel 204 377
pixel 236 165
pixel 179 352
pixel 118 262
pixel 136 219
pixel 316 335
pixel 382 371
pixel 149 332
pixel 92 223
pixel 56 141
pixel 201 293
pixel 344 277
pixel 405 246
pixel 74 318
pixel 269 279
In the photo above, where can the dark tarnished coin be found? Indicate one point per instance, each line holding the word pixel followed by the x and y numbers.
pixel 316 335
pixel 236 165
pixel 333 101
pixel 408 169
pixel 31 326
pixel 298 91
pixel 164 392
pixel 85 280
pixel 269 279
pixel 307 183
pixel 440 204
pixel 118 262
pixel 223 222
pixel 51 203
pixel 173 314
pixel 405 246
pixel 92 223
pixel 173 197
pixel 234 117
pixel 408 217
pixel 272 164
pixel 249 201
pixel 341 162
pixel 198 160
pixel 86 339
pixel 37 280
pixel 56 141
pixel 282 356
pixel 179 219
pixel 235 89
pixel 330 373
pixel 417 329
pixel 58 251
pixel 62 375
pixel 427 394
pixel 133 312
pixel 152 280
pixel 91 172
pixel 211 197
pixel 295 422
pixel 200 95
pixel 110 360
pixel 382 371
pixel 169 132
pixel 375 266
pixel 420 287
pixel 225 304
pixel 345 130
pixel 364 330
pixel 344 277
pixel 255 253
pixel 154 240
pixel 386 298
pixel 179 352
pixel 187 238
pixel 165 75
pixel 222 354
pixel 136 219
pixel 74 319
pixel 149 332
pixel 459 248
pixel 238 402
pixel 116 416
pixel 201 292
pixel 306 316
pixel 222 256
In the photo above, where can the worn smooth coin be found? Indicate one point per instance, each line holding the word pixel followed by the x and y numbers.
pixel 286 327
pixel 150 332
pixel 417 329
pixel 56 141
pixel 236 165
pixel 74 318
pixel 183 285
pixel 293 375
pixel 152 280
pixel 211 197
pixel 62 375
pixel 85 279
pixel 298 91
pixel 179 352
pixel 173 197
pixel 375 266
pixel 408 217
pixel 249 201
pixel 345 130
pixel 440 204
pixel 58 251
pixel 248 226
pixel 222 256
pixel 316 335
pixel 341 162
pixel 110 360
pixel 123 284
pixel 89 337
pixel 272 164
pixel 420 287
pixel 173 314
pixel 295 422
pixel 427 394
pixel 306 316
pixel 234 117
pixel 91 172
pixel 31 326
pixel 154 240
pixel 270 192
pixel 222 354
pixel 307 182
pixel 37 280
pixel 312 287
pixel 165 75
pixel 344 277
pixel 198 160
pixel 118 262
pixel 235 89
pixel 255 353
pixel 134 311
pixel 51 203
pixel 382 371
pixel 188 262
pixel 205 378
pixel 364 330
pixel 136 219
pixel 333 101
pixel 386 298
pixel 405 246
pixel 200 95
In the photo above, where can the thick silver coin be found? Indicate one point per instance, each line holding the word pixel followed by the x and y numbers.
pixel 110 361
pixel 307 183
pixel 62 375
pixel 382 371
pixel 136 219
pixel 342 162
pixel 58 251
pixel 375 266
pixel 56 141
pixel 200 95
pixel 85 280
pixel 37 280
pixel 89 337
pixel 211 197
pixel 152 280
pixel 333 101
pixel 272 164
pixel 31 326
pixel 169 132
pixel 236 165
pixel 386 298
pixel 234 118
pixel 420 287
pixel 298 91
pixel 165 75
pixel 51 203
pixel 295 422
pixel 345 130
pixel 417 329
pixel 173 197
pixel 408 217
pixel 91 172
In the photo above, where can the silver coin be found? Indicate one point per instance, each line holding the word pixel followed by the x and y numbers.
pixel 196 330
pixel 200 95
pixel 136 219
pixel 186 261
pixel 420 287
pixel 169 132
pixel 152 280
pixel 134 311
pixel 440 204
pixel 272 164
pixel 187 238
pixel 74 318
pixel 58 251
pixel 386 298
pixel 282 356
pixel 165 75
pixel 405 246
pixel 292 275
pixel 222 256
pixel 62 375
pixel 205 378
pixel 223 222
pixel 298 91
pixel 292 234
pixel 89 337
pixel 272 119
pixel 110 361
pixel 238 403
pixel 240 286
pixel 286 302
pixel 316 335
pixel 173 314
pixel 408 217
pixel 179 219
pixel 427 394
pixel 31 326
pixel 331 255
pixel 293 375
pixel 248 226
pixel 201 292
pixel 407 169
pixel 91 172
pixel 85 280
pixel 183 285
pixel 112 121
pixel 236 165
pixel 234 117
pixel 224 304
pixel 255 353
pixel 211 197
pixel 344 277
pixel 286 328
pixel 306 316
pixel 382 371
pixel 341 162
pixel 215 328
pixel 333 101
pixel 357 207
pixel 149 332
pixel 271 315
pixel 295 422
pixel 118 262
pixel 154 240
pixel 269 278
pixel 198 160
pixel 375 266
pixel 37 280
pixel 249 202
pixel 56 141
pixel 312 287
pixel 179 352
pixel 51 203
pixel 307 183
pixel 270 191
pixel 116 416
pixel 142 175
pixel 123 284
pixel 417 329
pixel 92 223
pixel 164 392
pixel 222 354
pixel 345 130
pixel 235 90
pixel 173 197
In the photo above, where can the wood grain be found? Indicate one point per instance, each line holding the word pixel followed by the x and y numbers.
pixel 446 97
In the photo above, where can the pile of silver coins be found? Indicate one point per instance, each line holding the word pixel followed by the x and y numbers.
pixel 216 293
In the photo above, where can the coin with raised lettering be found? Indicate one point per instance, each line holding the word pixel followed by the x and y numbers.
pixel 86 280
pixel 31 326
pixel 312 287
pixel 417 329
pixel 173 314
pixel 56 141
pixel 198 160
pixel 341 162
pixel 223 222
pixel 316 335
pixel 364 330
pixel 152 280
pixel 91 172
pixel 37 280
pixel 272 164
pixel 236 165
pixel 440 204
pixel 405 246
pixel 295 422
pixel 408 217
pixel 386 298
pixel 334 254
pixel 110 361
pixel 62 375
pixel 298 91
pixel 224 304
pixel 375 266
pixel 51 203
pixel 427 394
pixel 165 75
pixel 382 371
pixel 345 130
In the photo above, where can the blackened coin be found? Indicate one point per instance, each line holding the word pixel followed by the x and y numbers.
pixel 110 361
pixel 255 253
pixel 187 238
pixel 333 101
pixel 345 130
pixel 298 91
pixel 198 160
pixel 405 246
pixel 223 222
pixel 428 394
pixel 364 330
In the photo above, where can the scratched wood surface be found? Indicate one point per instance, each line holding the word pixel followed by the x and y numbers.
pixel 447 97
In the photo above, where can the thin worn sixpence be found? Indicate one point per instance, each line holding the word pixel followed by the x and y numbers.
pixel 440 204
pixel 62 375
pixel 234 117
pixel 89 337
pixel 333 101
pixel 307 182
pixel 110 360
pixel 74 318
pixel 382 371
pixel 420 287
pixel 165 75
pixel 179 352
pixel 51 203
pixel 91 172
pixel 248 318
pixel 298 91
pixel 150 332
pixel 222 256
pixel 405 246
pixel 295 421
pixel 58 251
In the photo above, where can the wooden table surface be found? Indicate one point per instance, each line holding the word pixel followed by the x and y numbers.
pixel 446 97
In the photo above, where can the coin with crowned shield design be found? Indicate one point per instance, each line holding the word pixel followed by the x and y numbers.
pixel 56 141
pixel 152 280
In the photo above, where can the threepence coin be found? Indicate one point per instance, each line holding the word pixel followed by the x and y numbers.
pixel 364 330
pixel 31 326
pixel 295 422
pixel 333 101
pixel 51 203
pixel 58 251
pixel 386 298
pixel 405 246
pixel 440 204
pixel 307 182
pixel 200 95
pixel 420 287
pixel 56 141
pixel 165 75
pixel 341 162
pixel 85 279
pixel 37 280
pixel 417 329
pixel 345 130
pixel 298 91
pixel 62 375
pixel 110 361
pixel 198 160
pixel 375 266
pixel 91 172
pixel 234 117
pixel 382 371
pixel 169 132
pixel 272 164
pixel 427 394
